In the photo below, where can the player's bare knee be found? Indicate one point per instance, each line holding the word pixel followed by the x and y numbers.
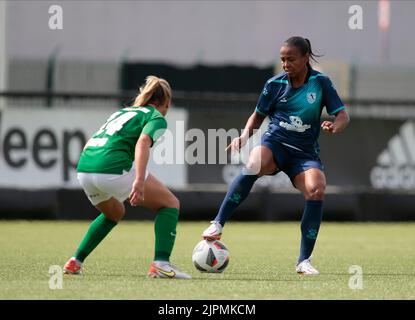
pixel 120 215
pixel 262 172
pixel 172 202
pixel 176 203
pixel 253 167
pixel 114 215
pixel 113 210
pixel 316 192
pixel 267 169
pixel 119 210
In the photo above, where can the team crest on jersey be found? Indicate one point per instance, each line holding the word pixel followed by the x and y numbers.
pixel 311 97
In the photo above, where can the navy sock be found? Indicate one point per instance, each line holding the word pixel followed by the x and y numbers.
pixel 237 192
pixel 310 224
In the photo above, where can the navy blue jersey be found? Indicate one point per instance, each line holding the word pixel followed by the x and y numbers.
pixel 295 113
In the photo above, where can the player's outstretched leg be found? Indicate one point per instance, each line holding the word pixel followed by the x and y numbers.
pixel 261 162
pixel 237 193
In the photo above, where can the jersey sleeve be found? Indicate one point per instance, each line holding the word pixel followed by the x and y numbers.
pixel 264 104
pixel 155 128
pixel 331 99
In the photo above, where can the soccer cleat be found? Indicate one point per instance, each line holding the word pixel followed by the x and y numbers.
pixel 305 268
pixel 163 269
pixel 73 266
pixel 214 232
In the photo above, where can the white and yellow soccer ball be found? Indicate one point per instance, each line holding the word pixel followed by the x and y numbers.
pixel 210 256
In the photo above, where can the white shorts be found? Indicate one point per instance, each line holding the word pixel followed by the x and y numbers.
pixel 100 187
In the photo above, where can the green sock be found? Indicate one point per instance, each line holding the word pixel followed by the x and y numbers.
pixel 165 232
pixel 98 230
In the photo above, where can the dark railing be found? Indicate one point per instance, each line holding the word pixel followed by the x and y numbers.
pixel 198 100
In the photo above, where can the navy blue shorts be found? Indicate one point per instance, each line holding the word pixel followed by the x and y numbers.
pixel 290 160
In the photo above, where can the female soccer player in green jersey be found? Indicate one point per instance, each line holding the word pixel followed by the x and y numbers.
pixel 112 168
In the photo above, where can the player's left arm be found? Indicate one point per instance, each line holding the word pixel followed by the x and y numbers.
pixel 334 106
pixel 142 154
pixel 151 132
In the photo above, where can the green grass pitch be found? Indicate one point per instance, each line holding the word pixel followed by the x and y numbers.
pixel 261 262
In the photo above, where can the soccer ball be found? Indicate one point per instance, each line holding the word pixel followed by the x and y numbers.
pixel 210 256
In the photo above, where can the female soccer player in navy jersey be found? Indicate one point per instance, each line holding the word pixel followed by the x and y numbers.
pixel 293 100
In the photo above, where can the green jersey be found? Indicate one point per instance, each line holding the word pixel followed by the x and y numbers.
pixel 111 149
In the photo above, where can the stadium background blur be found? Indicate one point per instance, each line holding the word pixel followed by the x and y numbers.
pixel 58 86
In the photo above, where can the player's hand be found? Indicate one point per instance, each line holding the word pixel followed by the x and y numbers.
pixel 329 126
pixel 236 144
pixel 137 192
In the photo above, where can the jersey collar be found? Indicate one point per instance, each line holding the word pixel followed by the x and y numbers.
pixel 307 77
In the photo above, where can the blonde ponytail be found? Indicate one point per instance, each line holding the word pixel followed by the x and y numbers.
pixel 155 90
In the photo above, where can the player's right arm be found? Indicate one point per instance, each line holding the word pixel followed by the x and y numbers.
pixel 254 122
pixel 262 110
